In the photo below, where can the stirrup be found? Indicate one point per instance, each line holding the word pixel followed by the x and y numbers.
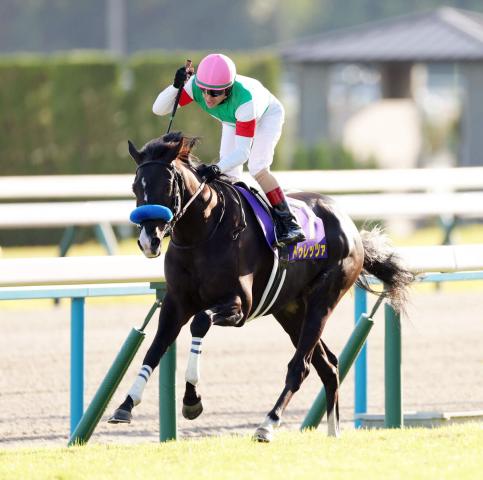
pixel 285 240
pixel 291 233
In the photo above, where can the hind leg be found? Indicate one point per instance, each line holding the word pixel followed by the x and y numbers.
pixel 323 360
pixel 319 303
pixel 325 363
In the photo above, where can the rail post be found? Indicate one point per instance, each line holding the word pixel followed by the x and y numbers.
pixel 167 396
pixel 392 369
pixel 77 312
pixel 360 367
pixel 167 385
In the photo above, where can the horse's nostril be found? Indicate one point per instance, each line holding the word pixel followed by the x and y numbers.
pixel 155 242
pixel 139 245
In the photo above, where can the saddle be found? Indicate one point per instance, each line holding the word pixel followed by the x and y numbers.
pixel 314 248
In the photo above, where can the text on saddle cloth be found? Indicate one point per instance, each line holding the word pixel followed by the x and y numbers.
pixel 314 248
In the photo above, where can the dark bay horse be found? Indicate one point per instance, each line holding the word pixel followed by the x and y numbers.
pixel 217 266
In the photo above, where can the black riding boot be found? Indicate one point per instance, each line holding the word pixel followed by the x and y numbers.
pixel 287 228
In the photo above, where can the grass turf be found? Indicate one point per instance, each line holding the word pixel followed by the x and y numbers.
pixel 441 453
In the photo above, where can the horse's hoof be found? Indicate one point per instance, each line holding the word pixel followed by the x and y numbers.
pixel 192 411
pixel 263 435
pixel 120 416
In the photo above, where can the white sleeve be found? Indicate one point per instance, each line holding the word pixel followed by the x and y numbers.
pixel 165 102
pixel 238 156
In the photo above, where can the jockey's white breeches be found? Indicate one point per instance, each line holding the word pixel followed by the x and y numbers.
pixel 267 135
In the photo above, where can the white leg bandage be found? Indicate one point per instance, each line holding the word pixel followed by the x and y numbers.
pixel 137 389
pixel 332 425
pixel 193 369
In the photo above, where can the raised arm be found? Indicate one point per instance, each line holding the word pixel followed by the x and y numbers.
pixel 165 100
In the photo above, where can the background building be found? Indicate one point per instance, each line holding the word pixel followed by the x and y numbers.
pixel 396 57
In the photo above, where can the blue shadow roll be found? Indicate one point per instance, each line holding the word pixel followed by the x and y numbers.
pixel 150 212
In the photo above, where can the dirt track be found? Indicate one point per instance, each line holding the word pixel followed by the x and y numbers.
pixel 242 369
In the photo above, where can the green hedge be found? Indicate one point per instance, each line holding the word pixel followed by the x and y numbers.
pixel 327 156
pixel 74 113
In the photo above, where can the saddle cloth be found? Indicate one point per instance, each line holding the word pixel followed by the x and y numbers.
pixel 314 248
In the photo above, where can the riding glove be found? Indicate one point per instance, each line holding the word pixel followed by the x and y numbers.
pixel 209 172
pixel 180 77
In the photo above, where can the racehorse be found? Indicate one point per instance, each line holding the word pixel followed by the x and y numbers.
pixel 218 263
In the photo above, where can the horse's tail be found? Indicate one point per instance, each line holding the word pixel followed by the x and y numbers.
pixel 381 261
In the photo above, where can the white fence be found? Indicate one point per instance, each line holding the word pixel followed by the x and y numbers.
pixel 409 193
pixel 328 181
pixel 136 268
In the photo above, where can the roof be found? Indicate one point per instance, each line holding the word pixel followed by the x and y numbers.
pixel 444 34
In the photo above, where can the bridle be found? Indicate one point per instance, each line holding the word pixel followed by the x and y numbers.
pixel 179 190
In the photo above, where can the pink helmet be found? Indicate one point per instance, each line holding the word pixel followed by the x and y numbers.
pixel 215 72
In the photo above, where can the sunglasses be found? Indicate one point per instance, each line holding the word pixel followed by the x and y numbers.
pixel 213 93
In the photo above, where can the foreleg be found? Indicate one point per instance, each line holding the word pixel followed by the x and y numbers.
pixel 226 314
pixel 171 319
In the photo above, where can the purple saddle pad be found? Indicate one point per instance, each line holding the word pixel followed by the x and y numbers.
pixel 314 248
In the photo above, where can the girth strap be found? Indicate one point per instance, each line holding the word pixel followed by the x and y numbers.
pixel 273 287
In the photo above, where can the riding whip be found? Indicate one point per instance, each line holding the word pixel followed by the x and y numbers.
pixel 189 71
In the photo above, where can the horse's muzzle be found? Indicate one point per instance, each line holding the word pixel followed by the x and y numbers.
pixel 153 252
pixel 149 240
pixel 154 221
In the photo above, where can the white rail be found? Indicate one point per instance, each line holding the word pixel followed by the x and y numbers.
pixel 358 207
pixel 80 270
pixel 136 268
pixel 327 181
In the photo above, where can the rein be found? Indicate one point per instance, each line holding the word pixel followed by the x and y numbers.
pixel 212 233
pixel 239 228
pixel 182 211
pixel 243 223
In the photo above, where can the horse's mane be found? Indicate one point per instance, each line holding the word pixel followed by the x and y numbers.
pixel 170 146
pixel 161 148
pixel 176 145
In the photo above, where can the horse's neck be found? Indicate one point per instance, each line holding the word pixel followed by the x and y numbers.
pixel 198 219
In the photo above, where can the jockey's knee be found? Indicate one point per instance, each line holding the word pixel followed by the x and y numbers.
pixel 258 173
pixel 265 179
pixel 201 324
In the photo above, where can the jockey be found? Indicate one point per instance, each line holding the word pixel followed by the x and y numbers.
pixel 251 119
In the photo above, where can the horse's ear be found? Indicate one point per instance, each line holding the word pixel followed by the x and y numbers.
pixel 192 142
pixel 134 152
pixel 187 144
pixel 173 137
